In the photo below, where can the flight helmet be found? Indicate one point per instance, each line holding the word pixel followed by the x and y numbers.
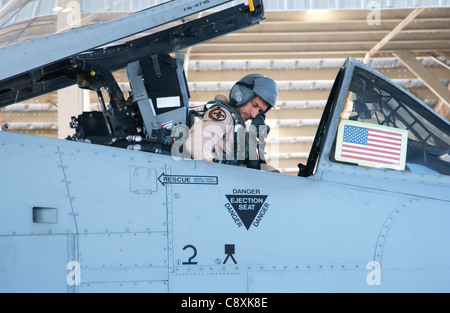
pixel 254 85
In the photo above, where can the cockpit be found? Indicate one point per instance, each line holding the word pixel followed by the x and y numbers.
pixel 144 115
pixel 143 39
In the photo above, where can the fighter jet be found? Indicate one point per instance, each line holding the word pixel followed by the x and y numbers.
pixel 112 209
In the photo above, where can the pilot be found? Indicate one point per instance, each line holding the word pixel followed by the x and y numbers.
pixel 216 136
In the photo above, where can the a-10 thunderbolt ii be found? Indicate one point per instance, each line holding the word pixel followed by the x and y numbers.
pixel 369 212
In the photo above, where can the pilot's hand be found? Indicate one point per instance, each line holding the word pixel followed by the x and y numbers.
pixel 259 121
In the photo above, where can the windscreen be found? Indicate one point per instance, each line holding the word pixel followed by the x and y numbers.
pixel 382 126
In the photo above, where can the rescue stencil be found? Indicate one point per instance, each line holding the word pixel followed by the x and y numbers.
pixel 247 208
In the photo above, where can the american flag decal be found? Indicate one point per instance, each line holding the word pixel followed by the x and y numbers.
pixel 371 145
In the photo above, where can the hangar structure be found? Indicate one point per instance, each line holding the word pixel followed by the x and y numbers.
pixel 301 45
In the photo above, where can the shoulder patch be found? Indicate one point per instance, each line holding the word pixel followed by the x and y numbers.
pixel 217 114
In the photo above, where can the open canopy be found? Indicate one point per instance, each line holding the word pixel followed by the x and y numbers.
pixel 111 36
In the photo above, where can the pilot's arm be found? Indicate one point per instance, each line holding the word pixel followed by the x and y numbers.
pixel 208 137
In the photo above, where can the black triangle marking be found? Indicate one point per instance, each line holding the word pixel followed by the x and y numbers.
pixel 246 207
